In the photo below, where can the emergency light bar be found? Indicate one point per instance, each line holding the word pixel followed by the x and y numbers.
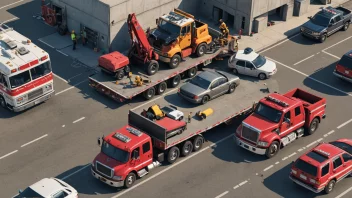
pixel 122 137
pixel 329 9
pixel 279 102
pixel 134 131
pixel 323 152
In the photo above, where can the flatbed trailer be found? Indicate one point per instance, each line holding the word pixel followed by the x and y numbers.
pixel 122 90
pixel 226 108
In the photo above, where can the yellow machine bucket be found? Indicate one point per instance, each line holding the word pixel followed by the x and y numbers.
pixel 204 114
pixel 156 110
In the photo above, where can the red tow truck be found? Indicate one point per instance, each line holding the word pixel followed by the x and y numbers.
pixel 279 120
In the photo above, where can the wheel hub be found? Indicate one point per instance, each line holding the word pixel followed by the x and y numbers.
pixel 130 180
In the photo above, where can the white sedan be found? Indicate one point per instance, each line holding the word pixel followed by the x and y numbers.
pixel 49 188
pixel 249 63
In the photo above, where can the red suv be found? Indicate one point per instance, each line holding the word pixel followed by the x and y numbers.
pixel 343 68
pixel 322 167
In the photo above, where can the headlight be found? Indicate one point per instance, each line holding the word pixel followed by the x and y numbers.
pixel 315 33
pixel 262 143
pixel 116 177
pixel 49 87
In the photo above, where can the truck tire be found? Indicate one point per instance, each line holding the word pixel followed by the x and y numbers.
pixel 3 102
pixel 205 99
pixel 345 26
pixel 161 88
pixel 313 126
pixel 232 88
pixel 192 72
pixel 273 149
pixel 328 188
pixel 323 38
pixel 187 148
pixel 149 94
pixel 175 81
pixel 201 49
pixel 175 61
pixel 197 143
pixel 152 67
pixel 119 74
pixel 173 154
pixel 130 179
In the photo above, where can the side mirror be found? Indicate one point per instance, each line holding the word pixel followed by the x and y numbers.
pixel 135 155
pixel 99 141
pixel 287 120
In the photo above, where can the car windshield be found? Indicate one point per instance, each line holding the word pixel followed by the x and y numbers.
pixel 306 167
pixel 343 146
pixel 259 61
pixel 29 192
pixel 29 75
pixel 115 153
pixel 321 20
pixel 268 112
pixel 169 27
pixel 200 82
pixel 346 62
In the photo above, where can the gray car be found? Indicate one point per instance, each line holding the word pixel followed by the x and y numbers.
pixel 208 85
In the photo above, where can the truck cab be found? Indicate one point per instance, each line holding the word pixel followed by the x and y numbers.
pixel 178 35
pixel 125 154
pixel 278 120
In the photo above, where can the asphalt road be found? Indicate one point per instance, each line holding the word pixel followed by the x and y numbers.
pixel 68 124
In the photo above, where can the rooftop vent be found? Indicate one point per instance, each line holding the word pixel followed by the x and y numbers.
pixel 11 44
pixel 122 137
pixel 22 50
pixel 134 131
pixel 248 50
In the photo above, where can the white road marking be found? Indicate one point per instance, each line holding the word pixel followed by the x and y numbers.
pixel 285 158
pixel 310 77
pixel 63 125
pixel 318 53
pixel 299 150
pixel 9 20
pixel 67 176
pixel 82 118
pixel 60 78
pixel 11 4
pixel 46 44
pixel 172 90
pixel 292 154
pixel 326 135
pixel 303 60
pixel 222 194
pixel 74 76
pixel 319 140
pixel 337 43
pixel 235 187
pixel 344 124
pixel 282 42
pixel 343 193
pixel 269 167
pixel 277 163
pixel 171 166
pixel 331 132
pixel 61 53
pixel 34 140
pixel 331 55
pixel 242 183
pixel 311 144
pixel 8 154
pixel 70 88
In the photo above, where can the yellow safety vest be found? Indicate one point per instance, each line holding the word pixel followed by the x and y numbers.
pixel 73 36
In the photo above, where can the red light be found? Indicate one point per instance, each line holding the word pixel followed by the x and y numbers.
pixel 44 58
pixel 24 66
pixel 13 70
pixel 195 97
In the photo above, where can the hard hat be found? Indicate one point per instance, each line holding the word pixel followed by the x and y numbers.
pixel 73 31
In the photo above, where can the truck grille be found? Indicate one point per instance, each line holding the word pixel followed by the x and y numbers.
pixel 35 94
pixel 185 93
pixel 104 170
pixel 250 134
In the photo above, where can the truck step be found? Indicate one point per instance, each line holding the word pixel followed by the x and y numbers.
pixel 142 172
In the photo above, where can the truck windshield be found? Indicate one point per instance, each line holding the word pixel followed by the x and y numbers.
pixel 29 192
pixel 321 20
pixel 29 75
pixel 169 27
pixel 306 167
pixel 115 153
pixel 268 112
pixel 259 61
pixel 200 82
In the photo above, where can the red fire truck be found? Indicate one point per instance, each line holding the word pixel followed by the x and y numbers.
pixel 26 78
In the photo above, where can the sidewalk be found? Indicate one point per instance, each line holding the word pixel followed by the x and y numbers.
pixel 281 31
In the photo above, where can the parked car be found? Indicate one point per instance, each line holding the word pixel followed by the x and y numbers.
pixel 323 166
pixel 343 69
pixel 208 85
pixel 49 188
pixel 326 22
pixel 156 113
pixel 249 63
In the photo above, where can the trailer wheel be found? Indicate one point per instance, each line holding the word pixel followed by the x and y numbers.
pixel 175 81
pixel 3 102
pixel 273 149
pixel 197 143
pixel 173 155
pixel 313 126
pixel 201 49
pixel 152 67
pixel 175 61
pixel 149 94
pixel 192 72
pixel 119 74
pixel 130 179
pixel 345 27
pixel 161 88
pixel 187 148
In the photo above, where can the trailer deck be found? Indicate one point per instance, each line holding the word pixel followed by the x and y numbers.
pixel 225 107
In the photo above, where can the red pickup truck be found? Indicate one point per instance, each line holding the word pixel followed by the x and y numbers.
pixel 279 120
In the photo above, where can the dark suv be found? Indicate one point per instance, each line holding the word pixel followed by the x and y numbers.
pixel 343 68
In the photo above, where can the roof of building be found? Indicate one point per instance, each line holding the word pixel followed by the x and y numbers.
pixel 177 19
pixel 17 52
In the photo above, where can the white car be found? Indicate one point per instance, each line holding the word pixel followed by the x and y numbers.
pixel 49 188
pixel 172 112
pixel 249 63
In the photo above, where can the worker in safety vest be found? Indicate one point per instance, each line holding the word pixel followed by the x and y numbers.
pixel 74 40
pixel 224 29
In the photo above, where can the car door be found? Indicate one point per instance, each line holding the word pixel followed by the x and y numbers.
pixel 223 85
pixel 214 89
pixel 347 164
pixel 135 158
pixel 338 168
pixel 240 66
pixel 147 155
pixel 250 69
pixel 285 124
pixel 185 37
pixel 337 23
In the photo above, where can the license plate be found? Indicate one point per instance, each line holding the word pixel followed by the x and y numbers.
pixel 246 146
pixel 207 62
pixel 102 179
pixel 347 72
pixel 303 177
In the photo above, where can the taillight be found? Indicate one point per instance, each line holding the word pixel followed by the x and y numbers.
pixel 315 181
pixel 195 97
pixel 13 70
pixel 44 58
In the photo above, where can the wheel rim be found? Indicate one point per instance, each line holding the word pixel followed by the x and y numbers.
pixel 153 68
pixel 130 180
pixel 313 126
pixel 262 76
pixel 150 93
pixel 192 72
pixel 173 155
pixel 273 149
pixel 346 26
pixel 232 88
pixel 120 75
pixel 331 185
pixel 162 88
pixel 174 61
pixel 187 148
pixel 205 99
pixel 197 145
pixel 201 50
pixel 176 80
